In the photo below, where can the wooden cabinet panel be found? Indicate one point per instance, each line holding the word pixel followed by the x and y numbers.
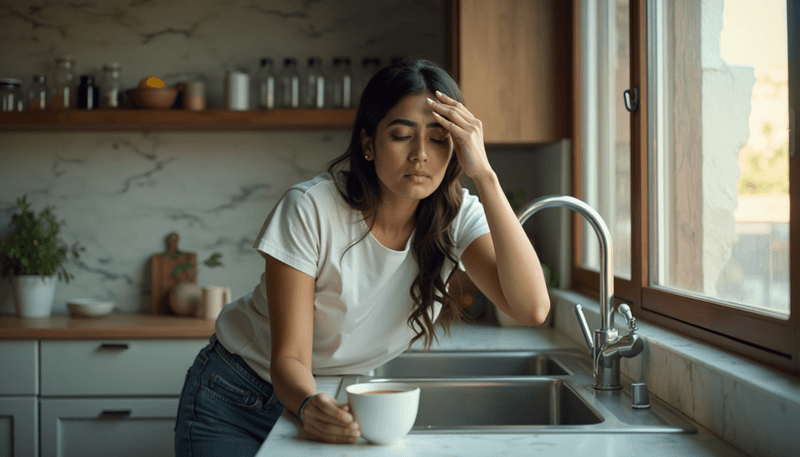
pixel 513 62
pixel 19 360
pixel 19 426
pixel 118 427
pixel 117 367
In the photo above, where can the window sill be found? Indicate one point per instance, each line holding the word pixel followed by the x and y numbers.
pixel 752 406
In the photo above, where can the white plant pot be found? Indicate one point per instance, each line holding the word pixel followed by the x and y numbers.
pixel 33 295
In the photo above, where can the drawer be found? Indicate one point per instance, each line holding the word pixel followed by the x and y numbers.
pixel 108 427
pixel 19 360
pixel 117 367
pixel 19 426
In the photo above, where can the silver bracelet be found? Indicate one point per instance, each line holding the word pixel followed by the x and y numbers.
pixel 300 411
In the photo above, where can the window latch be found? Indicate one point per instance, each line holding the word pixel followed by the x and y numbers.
pixel 631 97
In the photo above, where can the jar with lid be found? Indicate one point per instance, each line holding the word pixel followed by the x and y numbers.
pixel 11 94
pixel 290 84
pixel 65 83
pixel 369 66
pixel 40 95
pixel 264 86
pixel 341 84
pixel 88 93
pixel 111 86
pixel 314 85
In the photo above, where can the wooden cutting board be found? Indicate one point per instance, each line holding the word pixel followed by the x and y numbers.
pixel 162 279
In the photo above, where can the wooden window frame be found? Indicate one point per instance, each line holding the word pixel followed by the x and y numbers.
pixel 769 340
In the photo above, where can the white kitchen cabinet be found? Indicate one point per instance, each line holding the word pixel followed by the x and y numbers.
pixel 19 431
pixel 108 427
pixel 116 367
pixel 19 385
pixel 111 396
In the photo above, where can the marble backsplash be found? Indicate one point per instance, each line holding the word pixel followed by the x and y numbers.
pixel 121 193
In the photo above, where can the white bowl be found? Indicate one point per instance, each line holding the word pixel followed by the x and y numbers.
pixel 384 418
pixel 89 307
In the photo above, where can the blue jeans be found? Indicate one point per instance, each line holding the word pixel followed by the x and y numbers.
pixel 225 409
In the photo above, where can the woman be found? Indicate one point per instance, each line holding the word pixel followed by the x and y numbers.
pixel 357 263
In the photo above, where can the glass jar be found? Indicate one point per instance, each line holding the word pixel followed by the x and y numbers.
pixel 369 66
pixel 264 86
pixel 111 86
pixel 341 84
pixel 11 94
pixel 40 95
pixel 88 93
pixel 290 84
pixel 314 87
pixel 65 83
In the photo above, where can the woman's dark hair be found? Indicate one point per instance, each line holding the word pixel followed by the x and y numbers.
pixel 432 240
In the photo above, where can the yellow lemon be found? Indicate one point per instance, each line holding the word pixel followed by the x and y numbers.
pixel 152 81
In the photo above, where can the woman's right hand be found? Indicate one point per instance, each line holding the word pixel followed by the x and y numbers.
pixel 324 419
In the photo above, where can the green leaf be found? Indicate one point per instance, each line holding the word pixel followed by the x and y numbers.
pixel 181 268
pixel 213 262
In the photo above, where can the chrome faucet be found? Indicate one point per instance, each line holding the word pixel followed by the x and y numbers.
pixel 606 347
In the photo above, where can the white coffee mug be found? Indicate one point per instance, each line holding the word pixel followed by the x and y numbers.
pixel 385 411
pixel 214 299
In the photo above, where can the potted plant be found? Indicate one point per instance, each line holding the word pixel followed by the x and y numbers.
pixel 33 259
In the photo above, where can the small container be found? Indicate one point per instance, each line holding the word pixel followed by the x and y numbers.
pixel 65 83
pixel 314 85
pixel 88 93
pixel 40 95
pixel 194 96
pixel 369 66
pixel 112 86
pixel 11 94
pixel 640 398
pixel 290 84
pixel 264 83
pixel 341 84
pixel 237 95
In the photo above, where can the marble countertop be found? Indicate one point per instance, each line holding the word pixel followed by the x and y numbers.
pixel 287 437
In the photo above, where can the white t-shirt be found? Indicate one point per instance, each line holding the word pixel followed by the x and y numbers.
pixel 362 299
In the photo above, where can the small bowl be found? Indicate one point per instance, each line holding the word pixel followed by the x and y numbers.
pixel 385 411
pixel 154 98
pixel 89 307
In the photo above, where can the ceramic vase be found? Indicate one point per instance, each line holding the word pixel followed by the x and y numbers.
pixel 33 295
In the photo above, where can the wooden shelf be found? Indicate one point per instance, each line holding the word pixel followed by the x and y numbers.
pixel 142 119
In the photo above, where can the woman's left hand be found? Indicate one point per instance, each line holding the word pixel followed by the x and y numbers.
pixel 467 133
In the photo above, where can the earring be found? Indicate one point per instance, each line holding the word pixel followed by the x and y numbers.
pixel 366 157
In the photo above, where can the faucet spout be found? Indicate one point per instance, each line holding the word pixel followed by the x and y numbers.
pixel 603 236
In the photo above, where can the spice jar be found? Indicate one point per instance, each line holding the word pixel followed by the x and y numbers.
pixel 111 86
pixel 39 94
pixel 10 94
pixel 264 86
pixel 88 94
pixel 194 96
pixel 314 87
pixel 341 83
pixel 65 83
pixel 290 84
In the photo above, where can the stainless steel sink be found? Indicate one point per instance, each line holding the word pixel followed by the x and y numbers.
pixel 447 364
pixel 563 401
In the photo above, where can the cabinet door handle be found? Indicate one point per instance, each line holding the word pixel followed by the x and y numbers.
pixel 115 414
pixel 114 346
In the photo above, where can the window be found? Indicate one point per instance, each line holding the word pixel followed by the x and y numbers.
pixel 694 184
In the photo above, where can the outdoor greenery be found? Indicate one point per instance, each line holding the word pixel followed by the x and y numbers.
pixel 762 174
pixel 34 248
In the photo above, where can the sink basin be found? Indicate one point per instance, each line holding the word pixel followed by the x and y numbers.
pixel 446 404
pixel 518 392
pixel 447 364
